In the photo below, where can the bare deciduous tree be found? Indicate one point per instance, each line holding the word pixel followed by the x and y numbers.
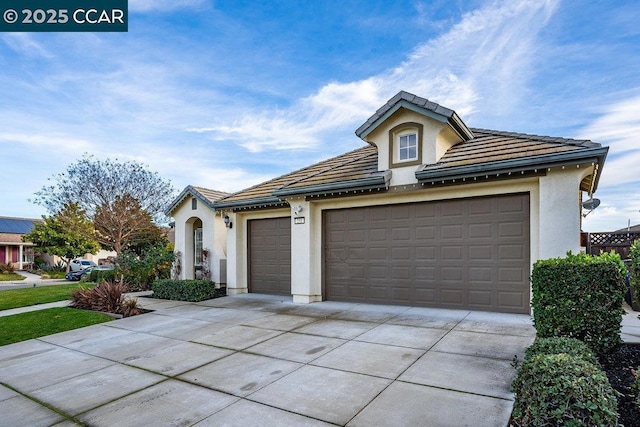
pixel 123 224
pixel 92 183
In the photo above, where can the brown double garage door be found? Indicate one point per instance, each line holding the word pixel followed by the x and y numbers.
pixel 465 253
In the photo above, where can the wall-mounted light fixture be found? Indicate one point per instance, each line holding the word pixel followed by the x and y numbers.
pixel 227 222
pixel 297 209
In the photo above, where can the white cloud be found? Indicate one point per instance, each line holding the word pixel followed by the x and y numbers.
pixel 487 56
pixel 47 142
pixel 618 126
pixel 26 45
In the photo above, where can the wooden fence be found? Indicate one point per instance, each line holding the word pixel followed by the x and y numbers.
pixel 606 242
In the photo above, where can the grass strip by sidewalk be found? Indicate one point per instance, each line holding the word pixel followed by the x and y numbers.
pixel 25 297
pixel 10 277
pixel 34 324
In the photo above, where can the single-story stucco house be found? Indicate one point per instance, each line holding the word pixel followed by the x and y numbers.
pixel 429 213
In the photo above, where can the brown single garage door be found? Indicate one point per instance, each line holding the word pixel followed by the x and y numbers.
pixel 464 253
pixel 270 255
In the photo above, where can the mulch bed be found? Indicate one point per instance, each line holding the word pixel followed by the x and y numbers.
pixel 618 366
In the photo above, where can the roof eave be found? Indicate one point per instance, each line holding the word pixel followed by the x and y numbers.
pixel 445 116
pixel 590 155
pixel 249 203
pixel 188 191
pixel 376 182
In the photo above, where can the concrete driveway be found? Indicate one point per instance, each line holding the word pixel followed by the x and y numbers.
pixel 256 360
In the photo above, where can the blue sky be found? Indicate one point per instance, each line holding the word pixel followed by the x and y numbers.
pixel 226 94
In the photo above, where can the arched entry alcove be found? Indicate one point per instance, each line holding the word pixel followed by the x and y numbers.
pixel 193 248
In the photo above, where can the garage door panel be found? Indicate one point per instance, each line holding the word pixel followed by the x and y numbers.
pixel 425 232
pixel 425 252
pixel 480 298
pixel 480 230
pixel 481 207
pixel 480 274
pixel 511 229
pixel 269 244
pixel 466 253
pixel 451 253
pixel 511 299
pixel 451 209
pixel 511 274
pixel 511 252
pixel 452 297
pixel 453 231
pixel 511 205
pixel 424 273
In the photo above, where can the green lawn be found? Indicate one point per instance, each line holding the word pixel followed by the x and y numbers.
pixel 10 277
pixel 55 274
pixel 21 327
pixel 15 298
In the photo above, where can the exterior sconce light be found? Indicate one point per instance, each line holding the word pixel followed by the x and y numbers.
pixel 297 210
pixel 227 222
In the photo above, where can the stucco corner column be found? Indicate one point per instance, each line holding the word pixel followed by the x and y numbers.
pixel 236 256
pixel 305 280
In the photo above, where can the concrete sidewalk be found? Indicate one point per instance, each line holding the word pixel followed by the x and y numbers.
pixel 262 360
pixel 31 280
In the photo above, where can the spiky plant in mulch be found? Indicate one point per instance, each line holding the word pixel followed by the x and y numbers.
pixel 106 297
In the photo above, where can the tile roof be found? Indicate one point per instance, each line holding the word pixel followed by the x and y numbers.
pixel 16 225
pixel 491 146
pixel 421 105
pixel 209 197
pixel 354 167
pixel 359 167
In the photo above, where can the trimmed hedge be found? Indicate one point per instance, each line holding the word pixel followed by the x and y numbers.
pixel 99 276
pixel 184 290
pixel 559 389
pixel 557 345
pixel 580 296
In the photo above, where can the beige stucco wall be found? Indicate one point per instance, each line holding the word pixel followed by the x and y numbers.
pixel 554 223
pixel 437 138
pixel 213 238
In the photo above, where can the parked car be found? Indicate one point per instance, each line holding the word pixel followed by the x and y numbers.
pixel 77 275
pixel 81 264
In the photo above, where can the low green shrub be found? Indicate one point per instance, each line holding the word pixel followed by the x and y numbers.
pixel 559 389
pixel 580 296
pixel 184 290
pixel 99 276
pixel 557 345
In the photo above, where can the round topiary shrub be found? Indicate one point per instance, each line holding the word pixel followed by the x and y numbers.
pixel 559 389
pixel 557 345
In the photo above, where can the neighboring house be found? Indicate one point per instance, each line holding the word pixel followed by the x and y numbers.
pixel 21 254
pixel 429 213
pixel 199 231
pixel 12 248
